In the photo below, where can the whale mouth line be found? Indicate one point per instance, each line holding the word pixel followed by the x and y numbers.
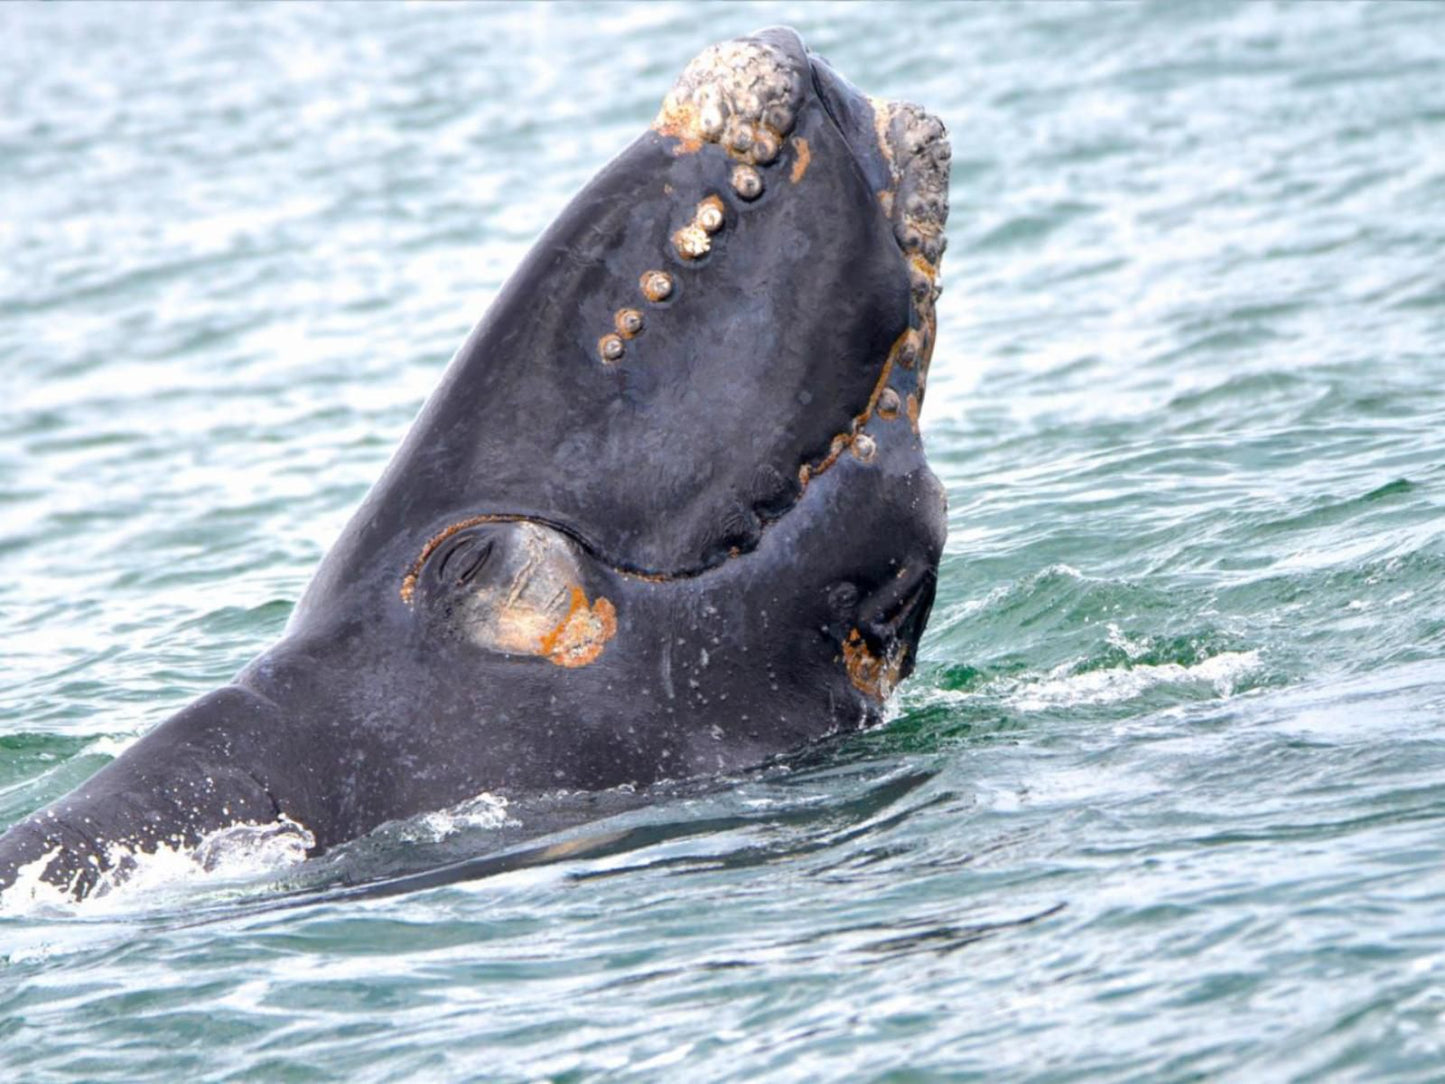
pixel 595 552
pixel 809 470
pixel 572 533
pixel 851 440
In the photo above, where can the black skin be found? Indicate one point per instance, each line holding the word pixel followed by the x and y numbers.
pixel 673 478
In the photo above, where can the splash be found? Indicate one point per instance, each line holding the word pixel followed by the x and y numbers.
pixel 135 877
pixel 1062 687
pixel 483 812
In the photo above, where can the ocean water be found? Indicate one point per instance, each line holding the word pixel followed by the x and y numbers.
pixel 1165 800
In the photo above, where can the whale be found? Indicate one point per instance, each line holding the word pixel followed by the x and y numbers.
pixel 667 515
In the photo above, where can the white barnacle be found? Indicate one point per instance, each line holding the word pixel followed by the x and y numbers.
pixel 908 354
pixel 746 182
pixel 710 216
pixel 692 242
pixel 739 135
pixel 765 147
pixel 628 322
pixel 710 121
pixel 656 285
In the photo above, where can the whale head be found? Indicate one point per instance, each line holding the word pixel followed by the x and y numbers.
pixel 667 514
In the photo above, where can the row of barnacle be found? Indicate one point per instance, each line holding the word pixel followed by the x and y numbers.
pixel 693 242
pixel 743 95
pixel 628 322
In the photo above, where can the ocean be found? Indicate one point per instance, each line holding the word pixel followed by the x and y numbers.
pixel 1165 799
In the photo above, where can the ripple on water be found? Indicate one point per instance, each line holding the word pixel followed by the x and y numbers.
pixel 1162 801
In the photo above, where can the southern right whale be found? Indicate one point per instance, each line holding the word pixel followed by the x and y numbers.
pixel 667 514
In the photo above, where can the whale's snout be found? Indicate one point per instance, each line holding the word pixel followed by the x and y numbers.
pixel 747 96
pixel 904 152
pixel 743 95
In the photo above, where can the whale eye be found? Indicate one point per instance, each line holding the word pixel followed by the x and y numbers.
pixel 463 557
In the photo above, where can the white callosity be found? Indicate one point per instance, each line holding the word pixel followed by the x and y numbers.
pixel 743 95
pixel 919 153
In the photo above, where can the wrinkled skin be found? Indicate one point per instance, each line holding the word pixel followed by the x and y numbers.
pixel 582 571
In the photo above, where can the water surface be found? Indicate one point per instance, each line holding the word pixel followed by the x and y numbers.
pixel 1166 798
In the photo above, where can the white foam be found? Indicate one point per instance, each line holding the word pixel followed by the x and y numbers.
pixel 485 811
pixel 236 852
pixel 1061 688
pixel 1134 649
pixel 109 746
pixel 30 894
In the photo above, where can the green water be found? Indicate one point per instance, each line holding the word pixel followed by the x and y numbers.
pixel 1166 799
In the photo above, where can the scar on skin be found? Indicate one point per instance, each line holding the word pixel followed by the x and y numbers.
pixel 801 160
pixel 870 675
pixel 581 636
